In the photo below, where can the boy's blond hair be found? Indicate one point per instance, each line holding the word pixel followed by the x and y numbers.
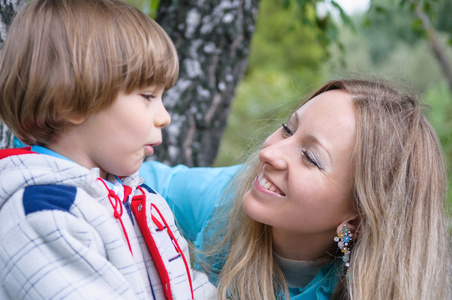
pixel 66 59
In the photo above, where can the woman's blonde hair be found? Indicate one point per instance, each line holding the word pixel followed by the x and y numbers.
pixel 68 59
pixel 399 191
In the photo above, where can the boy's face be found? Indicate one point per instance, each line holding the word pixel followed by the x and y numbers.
pixel 118 138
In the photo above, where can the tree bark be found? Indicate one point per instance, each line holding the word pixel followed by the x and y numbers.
pixel 8 9
pixel 213 41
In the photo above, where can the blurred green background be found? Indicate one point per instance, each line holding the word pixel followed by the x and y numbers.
pixel 288 61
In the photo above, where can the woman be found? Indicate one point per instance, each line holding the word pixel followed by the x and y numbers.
pixel 358 161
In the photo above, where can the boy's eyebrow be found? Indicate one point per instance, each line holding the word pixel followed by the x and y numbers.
pixel 152 87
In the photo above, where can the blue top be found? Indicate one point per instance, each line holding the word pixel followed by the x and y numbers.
pixel 194 193
pixel 43 150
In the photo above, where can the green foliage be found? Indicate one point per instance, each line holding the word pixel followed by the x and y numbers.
pixel 387 24
pixel 389 46
pixel 436 12
pixel 443 21
pixel 149 7
pixel 439 98
pixel 281 43
pixel 322 22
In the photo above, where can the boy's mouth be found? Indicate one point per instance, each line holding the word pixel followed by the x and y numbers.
pixel 149 150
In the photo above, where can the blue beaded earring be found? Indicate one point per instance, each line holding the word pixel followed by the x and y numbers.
pixel 343 240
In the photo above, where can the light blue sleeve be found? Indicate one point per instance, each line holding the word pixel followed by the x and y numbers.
pixel 192 193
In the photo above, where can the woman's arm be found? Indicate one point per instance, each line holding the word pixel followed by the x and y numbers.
pixel 192 193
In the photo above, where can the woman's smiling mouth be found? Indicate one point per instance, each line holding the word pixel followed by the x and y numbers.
pixel 268 185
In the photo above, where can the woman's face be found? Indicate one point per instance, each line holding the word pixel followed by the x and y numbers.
pixel 305 179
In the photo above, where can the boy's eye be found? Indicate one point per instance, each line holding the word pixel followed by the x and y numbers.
pixel 148 96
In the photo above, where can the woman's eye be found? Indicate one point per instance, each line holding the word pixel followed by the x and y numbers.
pixel 286 129
pixel 310 159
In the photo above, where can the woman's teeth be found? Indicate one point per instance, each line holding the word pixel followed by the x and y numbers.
pixel 267 185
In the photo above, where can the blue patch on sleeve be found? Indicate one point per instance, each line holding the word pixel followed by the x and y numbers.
pixel 148 188
pixel 48 197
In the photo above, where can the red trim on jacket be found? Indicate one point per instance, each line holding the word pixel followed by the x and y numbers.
pixel 15 151
pixel 139 210
pixel 118 209
pixel 178 249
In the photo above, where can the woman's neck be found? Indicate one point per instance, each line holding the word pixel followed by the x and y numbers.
pixel 296 246
pixel 297 273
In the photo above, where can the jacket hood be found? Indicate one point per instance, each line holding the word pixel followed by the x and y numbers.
pixel 21 169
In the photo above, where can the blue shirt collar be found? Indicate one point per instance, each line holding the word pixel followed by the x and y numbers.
pixel 43 150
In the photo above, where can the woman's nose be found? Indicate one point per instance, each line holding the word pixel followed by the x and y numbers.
pixel 275 153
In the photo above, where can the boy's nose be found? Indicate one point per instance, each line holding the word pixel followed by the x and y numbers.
pixel 162 118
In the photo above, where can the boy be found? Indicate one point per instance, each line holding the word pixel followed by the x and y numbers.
pixel 82 82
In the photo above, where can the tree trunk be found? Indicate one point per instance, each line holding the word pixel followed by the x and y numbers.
pixel 213 40
pixel 8 9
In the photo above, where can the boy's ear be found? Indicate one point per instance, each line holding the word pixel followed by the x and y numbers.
pixel 352 224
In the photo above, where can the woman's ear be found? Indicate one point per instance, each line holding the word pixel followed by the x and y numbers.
pixel 352 225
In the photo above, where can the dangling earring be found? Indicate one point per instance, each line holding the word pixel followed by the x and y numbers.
pixel 343 239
